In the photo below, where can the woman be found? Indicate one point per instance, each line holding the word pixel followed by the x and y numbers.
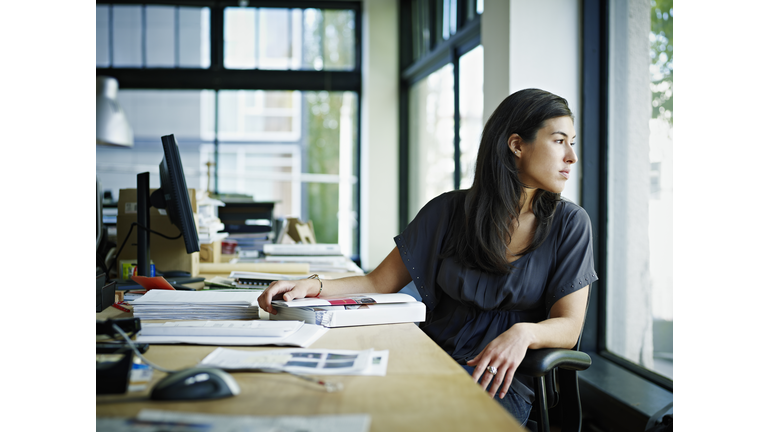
pixel 501 266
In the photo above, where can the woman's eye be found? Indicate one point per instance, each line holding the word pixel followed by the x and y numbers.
pixel 573 144
pixel 560 141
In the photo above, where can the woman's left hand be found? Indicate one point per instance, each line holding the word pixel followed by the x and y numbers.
pixel 505 354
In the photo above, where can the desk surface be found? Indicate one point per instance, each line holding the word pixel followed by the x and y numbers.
pixel 424 388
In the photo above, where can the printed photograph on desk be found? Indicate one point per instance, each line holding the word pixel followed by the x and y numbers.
pixel 316 362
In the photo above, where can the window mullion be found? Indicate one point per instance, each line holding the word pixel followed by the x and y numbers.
pixel 456 122
pixel 217 37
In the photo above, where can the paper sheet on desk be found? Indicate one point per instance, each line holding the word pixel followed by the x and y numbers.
pixel 255 328
pixel 161 421
pixel 304 361
pixel 305 336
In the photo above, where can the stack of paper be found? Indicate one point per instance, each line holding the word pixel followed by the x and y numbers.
pixel 352 310
pixel 221 328
pixel 203 305
pixel 315 249
pixel 208 224
pixel 243 333
pixel 320 263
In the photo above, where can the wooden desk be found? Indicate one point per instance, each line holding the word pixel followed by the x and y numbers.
pixel 424 389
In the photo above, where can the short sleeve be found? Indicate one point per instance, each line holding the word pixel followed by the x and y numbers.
pixel 420 245
pixel 574 267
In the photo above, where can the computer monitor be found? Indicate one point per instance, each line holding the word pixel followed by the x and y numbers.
pixel 173 196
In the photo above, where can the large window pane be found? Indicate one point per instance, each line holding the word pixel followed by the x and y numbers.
pixel 470 112
pixel 136 36
pixel 102 36
pixel 311 175
pixel 339 40
pixel 188 114
pixel 194 37
pixel 274 38
pixel 639 274
pixel 430 138
pixel 160 34
pixel 258 115
pixel 126 36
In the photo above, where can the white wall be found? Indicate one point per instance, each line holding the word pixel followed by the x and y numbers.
pixel 379 130
pixel 545 53
pixel 495 39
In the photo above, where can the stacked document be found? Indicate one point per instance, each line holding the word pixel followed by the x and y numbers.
pixel 221 328
pixel 320 263
pixel 302 249
pixel 196 305
pixel 352 310
pixel 244 333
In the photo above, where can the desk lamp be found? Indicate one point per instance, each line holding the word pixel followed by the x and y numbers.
pixel 112 129
pixel 112 126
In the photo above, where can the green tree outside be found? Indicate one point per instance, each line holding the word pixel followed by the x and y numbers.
pixel 661 59
pixel 335 29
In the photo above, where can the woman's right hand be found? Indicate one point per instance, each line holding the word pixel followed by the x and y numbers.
pixel 287 290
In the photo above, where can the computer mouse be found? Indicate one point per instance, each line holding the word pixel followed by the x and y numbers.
pixel 195 384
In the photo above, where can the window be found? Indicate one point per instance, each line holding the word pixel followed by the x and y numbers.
pixel 444 98
pixel 271 38
pixel 264 100
pixel 470 112
pixel 639 278
pixel 138 36
pixel 431 153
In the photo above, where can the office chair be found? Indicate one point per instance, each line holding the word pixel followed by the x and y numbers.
pixel 554 370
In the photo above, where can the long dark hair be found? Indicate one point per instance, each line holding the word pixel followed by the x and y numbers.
pixel 482 229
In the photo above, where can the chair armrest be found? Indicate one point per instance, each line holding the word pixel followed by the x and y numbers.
pixel 539 362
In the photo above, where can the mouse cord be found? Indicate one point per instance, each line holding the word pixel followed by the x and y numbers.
pixel 330 387
pixel 136 351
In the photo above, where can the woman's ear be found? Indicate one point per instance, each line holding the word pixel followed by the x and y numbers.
pixel 515 143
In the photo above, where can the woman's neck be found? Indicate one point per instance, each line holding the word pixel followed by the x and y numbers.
pixel 526 200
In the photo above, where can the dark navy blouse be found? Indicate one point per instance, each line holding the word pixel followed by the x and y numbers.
pixel 467 309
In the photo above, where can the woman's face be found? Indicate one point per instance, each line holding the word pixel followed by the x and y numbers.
pixel 545 163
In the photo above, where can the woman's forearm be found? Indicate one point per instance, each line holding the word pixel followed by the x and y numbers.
pixel 562 330
pixel 390 276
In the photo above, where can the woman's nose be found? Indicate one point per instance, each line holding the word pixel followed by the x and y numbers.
pixel 571 157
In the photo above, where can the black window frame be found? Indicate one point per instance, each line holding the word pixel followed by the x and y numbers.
pixel 418 62
pixel 616 393
pixel 216 77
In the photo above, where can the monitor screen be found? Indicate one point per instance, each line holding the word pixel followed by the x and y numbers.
pixel 173 196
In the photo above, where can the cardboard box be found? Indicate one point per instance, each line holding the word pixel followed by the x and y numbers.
pixel 168 255
pixel 211 252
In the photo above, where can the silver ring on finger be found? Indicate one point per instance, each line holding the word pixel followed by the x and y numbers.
pixel 492 370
